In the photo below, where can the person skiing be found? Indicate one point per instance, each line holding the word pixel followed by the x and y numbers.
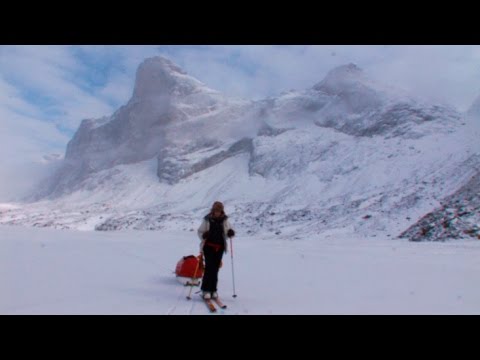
pixel 213 233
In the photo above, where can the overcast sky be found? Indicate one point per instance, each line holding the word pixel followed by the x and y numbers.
pixel 45 91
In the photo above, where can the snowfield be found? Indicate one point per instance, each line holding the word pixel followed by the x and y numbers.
pixel 46 271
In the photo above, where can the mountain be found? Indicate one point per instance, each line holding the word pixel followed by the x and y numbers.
pixel 164 99
pixel 348 153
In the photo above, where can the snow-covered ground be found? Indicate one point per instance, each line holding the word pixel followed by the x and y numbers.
pixel 47 271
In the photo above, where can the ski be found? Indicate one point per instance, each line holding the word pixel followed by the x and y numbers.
pixel 220 303
pixel 210 305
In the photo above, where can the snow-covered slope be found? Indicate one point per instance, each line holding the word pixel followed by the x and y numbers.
pixel 347 153
pixel 459 214
pixel 458 217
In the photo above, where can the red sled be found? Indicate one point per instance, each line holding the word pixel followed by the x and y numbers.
pixel 189 270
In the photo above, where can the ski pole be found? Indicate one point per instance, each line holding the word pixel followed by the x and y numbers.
pixel 233 274
pixel 193 278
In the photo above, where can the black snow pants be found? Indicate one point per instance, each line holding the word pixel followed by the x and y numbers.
pixel 213 258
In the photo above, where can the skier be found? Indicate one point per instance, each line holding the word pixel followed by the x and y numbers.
pixel 213 233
